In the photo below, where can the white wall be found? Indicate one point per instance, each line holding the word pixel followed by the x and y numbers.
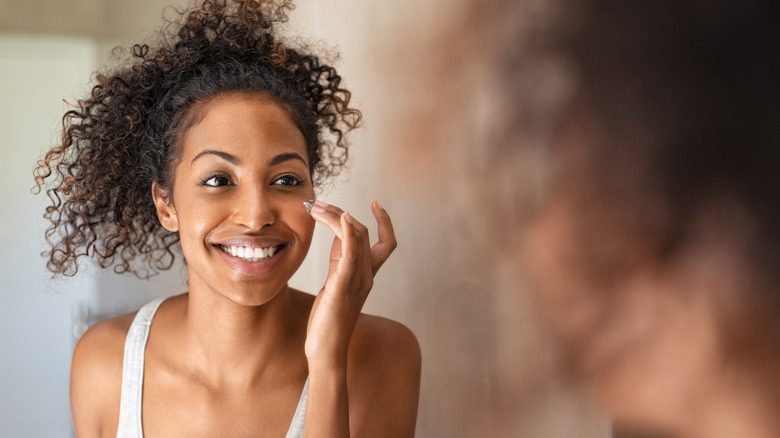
pixel 36 323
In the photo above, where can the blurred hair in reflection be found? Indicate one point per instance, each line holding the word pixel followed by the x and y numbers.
pixel 628 154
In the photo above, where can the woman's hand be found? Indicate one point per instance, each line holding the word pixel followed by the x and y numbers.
pixel 353 264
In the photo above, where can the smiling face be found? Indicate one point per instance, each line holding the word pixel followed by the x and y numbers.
pixel 237 200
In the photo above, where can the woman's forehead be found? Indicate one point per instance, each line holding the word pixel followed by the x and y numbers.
pixel 243 125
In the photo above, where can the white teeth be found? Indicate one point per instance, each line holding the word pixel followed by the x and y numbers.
pixel 250 254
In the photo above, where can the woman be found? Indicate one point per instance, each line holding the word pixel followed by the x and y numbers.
pixel 216 140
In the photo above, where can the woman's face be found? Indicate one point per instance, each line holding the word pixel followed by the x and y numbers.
pixel 238 196
pixel 640 330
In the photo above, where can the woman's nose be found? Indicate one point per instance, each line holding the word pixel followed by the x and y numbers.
pixel 254 211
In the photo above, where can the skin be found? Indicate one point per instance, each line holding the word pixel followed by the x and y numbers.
pixel 655 354
pixel 657 346
pixel 230 356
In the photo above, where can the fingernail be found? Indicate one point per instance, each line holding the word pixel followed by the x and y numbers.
pixel 379 204
pixel 322 204
pixel 308 205
pixel 348 217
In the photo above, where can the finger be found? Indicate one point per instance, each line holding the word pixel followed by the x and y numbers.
pixel 387 243
pixel 341 257
pixel 329 216
pixel 361 232
pixel 349 258
pixel 363 251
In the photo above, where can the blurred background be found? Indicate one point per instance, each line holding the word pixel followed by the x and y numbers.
pixel 489 366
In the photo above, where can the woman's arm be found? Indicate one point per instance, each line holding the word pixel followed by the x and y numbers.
pixel 379 395
pixel 384 379
pixel 95 378
pixel 334 360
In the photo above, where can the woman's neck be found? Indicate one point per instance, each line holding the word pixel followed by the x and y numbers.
pixel 231 343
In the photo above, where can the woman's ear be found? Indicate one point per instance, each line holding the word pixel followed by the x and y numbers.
pixel 166 213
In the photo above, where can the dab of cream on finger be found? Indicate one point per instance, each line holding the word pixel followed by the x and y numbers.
pixel 309 205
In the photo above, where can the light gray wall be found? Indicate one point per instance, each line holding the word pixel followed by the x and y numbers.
pixel 36 323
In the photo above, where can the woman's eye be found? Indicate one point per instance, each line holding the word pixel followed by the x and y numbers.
pixel 216 181
pixel 288 180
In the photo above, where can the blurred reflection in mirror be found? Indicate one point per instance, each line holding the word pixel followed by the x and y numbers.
pixel 626 154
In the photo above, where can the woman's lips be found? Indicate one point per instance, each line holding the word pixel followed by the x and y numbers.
pixel 252 258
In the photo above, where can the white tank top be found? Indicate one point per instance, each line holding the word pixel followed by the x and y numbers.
pixel 133 377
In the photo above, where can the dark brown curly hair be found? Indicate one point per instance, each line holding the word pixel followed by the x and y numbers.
pixel 124 136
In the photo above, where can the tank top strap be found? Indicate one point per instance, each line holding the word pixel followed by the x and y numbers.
pixel 296 427
pixel 133 372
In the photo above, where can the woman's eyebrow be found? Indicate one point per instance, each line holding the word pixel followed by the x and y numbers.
pixel 230 158
pixel 281 158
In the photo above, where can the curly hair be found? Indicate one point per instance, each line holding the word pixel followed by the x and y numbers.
pixel 126 134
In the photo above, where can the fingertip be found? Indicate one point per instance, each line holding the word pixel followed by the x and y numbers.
pixel 308 205
pixel 379 210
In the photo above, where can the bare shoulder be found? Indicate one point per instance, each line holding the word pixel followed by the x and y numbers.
pixel 100 350
pixel 383 375
pixel 378 344
pixel 96 377
pixel 376 338
pixel 383 378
